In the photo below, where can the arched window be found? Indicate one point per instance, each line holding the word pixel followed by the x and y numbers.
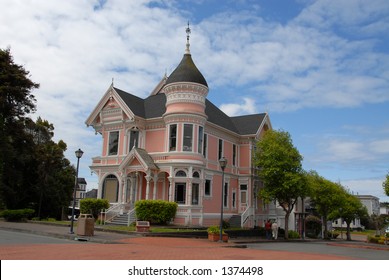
pixel 196 174
pixel 180 173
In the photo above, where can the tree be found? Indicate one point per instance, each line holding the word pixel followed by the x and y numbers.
pixel 325 196
pixel 385 185
pixel 33 170
pixel 16 102
pixel 280 169
pixel 351 208
pixel 54 172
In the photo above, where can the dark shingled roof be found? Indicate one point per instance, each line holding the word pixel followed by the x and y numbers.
pixel 154 106
pixel 187 71
pixel 248 124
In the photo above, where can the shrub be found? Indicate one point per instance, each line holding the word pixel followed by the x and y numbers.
pixel 17 215
pixel 155 211
pixel 293 234
pixel 214 230
pixel 93 206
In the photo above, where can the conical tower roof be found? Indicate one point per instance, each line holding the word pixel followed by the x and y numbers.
pixel 187 71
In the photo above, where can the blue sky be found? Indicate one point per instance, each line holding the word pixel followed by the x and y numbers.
pixel 319 68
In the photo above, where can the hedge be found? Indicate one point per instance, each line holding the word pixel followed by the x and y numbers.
pixel 93 206
pixel 155 211
pixel 17 215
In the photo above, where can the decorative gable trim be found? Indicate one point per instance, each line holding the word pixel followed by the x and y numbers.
pixel 111 107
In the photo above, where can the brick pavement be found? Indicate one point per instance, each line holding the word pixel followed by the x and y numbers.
pixel 114 246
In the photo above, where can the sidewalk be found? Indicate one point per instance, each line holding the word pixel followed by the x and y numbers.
pixel 105 236
pixel 63 231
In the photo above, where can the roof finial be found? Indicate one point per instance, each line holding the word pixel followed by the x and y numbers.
pixel 187 51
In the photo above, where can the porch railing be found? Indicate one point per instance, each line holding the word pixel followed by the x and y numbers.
pixel 131 217
pixel 112 212
pixel 247 216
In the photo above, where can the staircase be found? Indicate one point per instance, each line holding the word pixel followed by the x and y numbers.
pixel 235 221
pixel 120 220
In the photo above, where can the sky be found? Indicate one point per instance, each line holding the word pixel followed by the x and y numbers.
pixel 319 68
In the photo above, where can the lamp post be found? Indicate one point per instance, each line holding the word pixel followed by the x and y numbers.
pixel 223 164
pixel 79 154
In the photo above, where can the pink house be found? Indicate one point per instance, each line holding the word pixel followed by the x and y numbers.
pixel 168 145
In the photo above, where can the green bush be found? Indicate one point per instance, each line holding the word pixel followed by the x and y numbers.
pixel 17 215
pixel 293 234
pixel 214 230
pixel 155 211
pixel 93 206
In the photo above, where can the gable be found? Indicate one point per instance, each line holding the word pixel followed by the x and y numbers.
pixel 110 108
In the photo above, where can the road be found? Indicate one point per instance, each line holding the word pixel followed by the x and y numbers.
pixel 21 245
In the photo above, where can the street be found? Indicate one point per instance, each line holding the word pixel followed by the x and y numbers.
pixel 23 246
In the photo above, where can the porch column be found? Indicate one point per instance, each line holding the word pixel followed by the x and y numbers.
pixel 155 187
pixel 171 197
pixel 148 178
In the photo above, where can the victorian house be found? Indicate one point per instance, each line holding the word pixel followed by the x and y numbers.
pixel 168 146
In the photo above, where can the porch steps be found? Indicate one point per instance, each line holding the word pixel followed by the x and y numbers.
pixel 121 220
pixel 235 221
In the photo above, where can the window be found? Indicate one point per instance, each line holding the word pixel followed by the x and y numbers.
pixel 201 137
pixel 243 194
pixel 113 143
pixel 173 137
pixel 180 174
pixel 134 139
pixel 180 193
pixel 225 195
pixel 234 200
pixel 220 149
pixel 207 190
pixel 188 137
pixel 234 155
pixel 205 145
pixel 196 174
pixel 195 194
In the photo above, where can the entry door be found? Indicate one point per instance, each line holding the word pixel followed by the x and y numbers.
pixel 243 198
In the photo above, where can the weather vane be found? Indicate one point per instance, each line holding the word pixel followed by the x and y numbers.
pixel 187 39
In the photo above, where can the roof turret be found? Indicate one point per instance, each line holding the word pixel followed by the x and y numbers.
pixel 187 71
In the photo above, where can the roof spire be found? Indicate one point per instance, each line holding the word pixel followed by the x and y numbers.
pixel 187 51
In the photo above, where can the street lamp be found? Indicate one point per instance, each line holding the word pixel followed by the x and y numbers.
pixel 223 164
pixel 79 154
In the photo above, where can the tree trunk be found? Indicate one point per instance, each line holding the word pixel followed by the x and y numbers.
pixel 348 233
pixel 286 236
pixel 325 233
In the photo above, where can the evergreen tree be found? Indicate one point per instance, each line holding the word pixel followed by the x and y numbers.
pixel 33 170
pixel 16 102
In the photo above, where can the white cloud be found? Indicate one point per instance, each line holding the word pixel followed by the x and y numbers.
pixel 74 48
pixel 247 107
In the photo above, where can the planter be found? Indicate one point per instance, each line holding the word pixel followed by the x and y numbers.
pixel 216 237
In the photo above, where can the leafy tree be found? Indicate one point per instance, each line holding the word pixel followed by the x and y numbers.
pixel 351 208
pixel 325 196
pixel 280 169
pixel 385 185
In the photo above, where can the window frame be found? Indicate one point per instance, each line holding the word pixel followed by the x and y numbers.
pixel 111 143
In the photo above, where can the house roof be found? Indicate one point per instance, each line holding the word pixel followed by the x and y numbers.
pixel 187 71
pixel 154 107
